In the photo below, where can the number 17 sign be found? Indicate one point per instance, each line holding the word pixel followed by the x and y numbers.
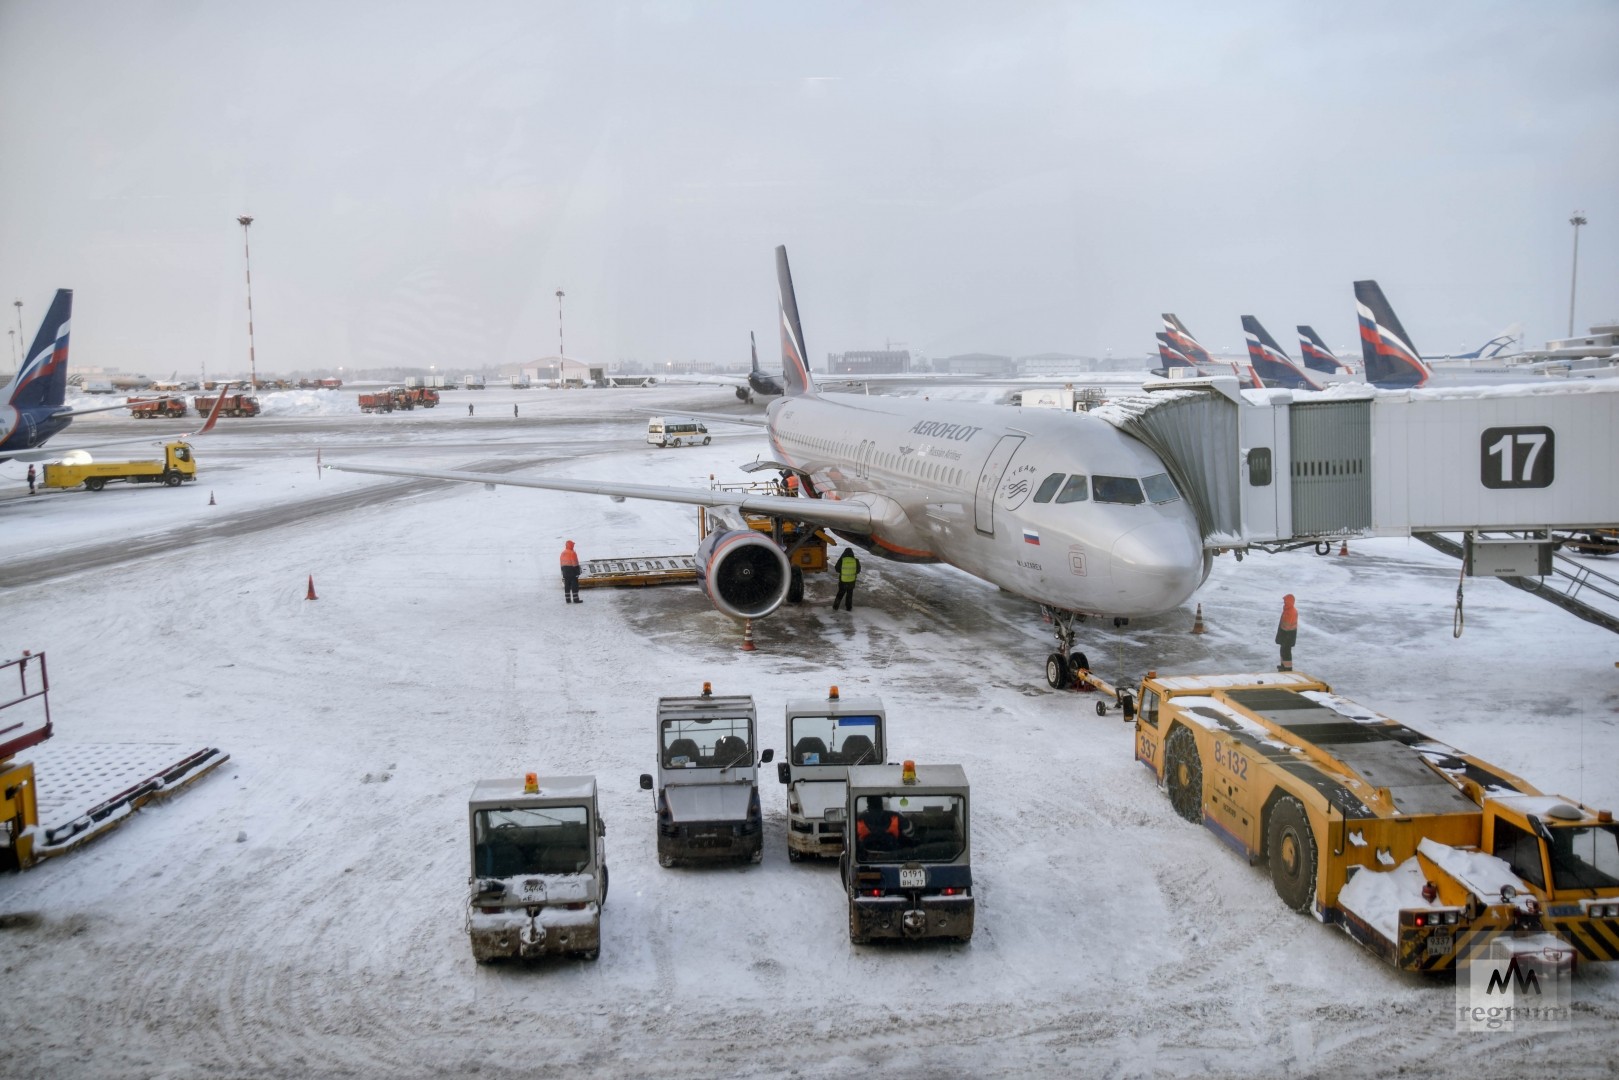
pixel 1517 457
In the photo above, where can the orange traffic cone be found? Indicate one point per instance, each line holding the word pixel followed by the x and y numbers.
pixel 210 498
pixel 747 636
pixel 311 594
pixel 1344 549
pixel 1197 623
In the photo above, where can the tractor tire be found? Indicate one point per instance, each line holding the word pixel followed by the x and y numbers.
pixel 855 936
pixel 1290 845
pixel 1183 775
pixel 795 587
pixel 171 479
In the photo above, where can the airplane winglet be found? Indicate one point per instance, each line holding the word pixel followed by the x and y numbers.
pixel 213 413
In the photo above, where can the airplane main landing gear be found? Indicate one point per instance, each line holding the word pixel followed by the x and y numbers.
pixel 1063 666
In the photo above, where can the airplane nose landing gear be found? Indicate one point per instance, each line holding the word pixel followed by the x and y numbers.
pixel 1064 665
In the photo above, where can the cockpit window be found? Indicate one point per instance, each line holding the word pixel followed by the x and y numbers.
pixel 1160 488
pixel 1117 489
pixel 1073 491
pixel 1048 488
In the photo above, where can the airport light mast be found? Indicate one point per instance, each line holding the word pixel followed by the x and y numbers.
pixel 561 352
pixel 21 337
pixel 1574 277
pixel 252 360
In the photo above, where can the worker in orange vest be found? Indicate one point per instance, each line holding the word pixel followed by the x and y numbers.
pixel 880 829
pixel 570 574
pixel 792 483
pixel 1287 632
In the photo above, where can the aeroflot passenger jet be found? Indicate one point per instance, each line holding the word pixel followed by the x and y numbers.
pixel 31 404
pixel 1061 508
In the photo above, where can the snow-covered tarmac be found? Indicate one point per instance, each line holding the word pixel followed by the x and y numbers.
pixel 300 912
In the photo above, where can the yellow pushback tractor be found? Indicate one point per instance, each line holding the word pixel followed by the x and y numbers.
pixel 1424 854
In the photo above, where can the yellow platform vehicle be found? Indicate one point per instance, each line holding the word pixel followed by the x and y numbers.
pixel 1424 854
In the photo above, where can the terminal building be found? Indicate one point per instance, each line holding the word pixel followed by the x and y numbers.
pixel 870 362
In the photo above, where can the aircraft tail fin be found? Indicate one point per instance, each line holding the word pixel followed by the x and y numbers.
pixel 1182 341
pixel 1391 360
pixel 1270 365
pixel 753 347
pixel 795 370
pixel 41 378
pixel 1316 355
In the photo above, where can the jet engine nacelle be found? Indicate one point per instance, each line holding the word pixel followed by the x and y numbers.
pixel 744 394
pixel 743 572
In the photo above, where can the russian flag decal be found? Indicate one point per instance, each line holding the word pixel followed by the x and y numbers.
pixel 1031 537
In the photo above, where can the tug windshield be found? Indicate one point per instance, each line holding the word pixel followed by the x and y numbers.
pixel 707 743
pixel 836 740
pixel 1584 856
pixel 531 840
pixel 909 828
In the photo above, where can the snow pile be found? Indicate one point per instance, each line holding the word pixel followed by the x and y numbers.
pixel 1378 897
pixel 1484 875
pixel 310 403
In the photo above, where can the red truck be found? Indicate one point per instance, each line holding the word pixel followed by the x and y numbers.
pixel 234 405
pixel 151 409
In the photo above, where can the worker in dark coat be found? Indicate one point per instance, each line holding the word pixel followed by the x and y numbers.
pixel 570 574
pixel 848 569
pixel 1287 632
pixel 30 480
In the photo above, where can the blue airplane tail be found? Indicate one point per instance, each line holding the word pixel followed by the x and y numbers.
pixel 41 379
pixel 795 370
pixel 1316 355
pixel 1391 360
pixel 753 346
pixel 1182 341
pixel 1271 365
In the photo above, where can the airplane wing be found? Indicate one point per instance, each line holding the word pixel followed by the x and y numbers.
pixel 832 514
pixel 43 453
pixel 758 421
pixel 106 408
pixel 694 379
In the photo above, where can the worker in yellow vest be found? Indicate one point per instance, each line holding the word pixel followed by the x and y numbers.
pixel 848 569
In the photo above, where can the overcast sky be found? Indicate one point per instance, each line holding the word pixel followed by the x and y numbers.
pixel 1003 177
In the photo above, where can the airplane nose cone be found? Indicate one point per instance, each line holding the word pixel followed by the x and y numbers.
pixel 1156 567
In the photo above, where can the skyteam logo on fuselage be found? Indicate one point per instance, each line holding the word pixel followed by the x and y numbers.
pixel 938 429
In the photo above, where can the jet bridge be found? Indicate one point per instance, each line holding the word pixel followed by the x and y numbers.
pixel 1504 466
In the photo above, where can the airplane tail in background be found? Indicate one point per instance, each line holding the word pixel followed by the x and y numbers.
pixel 1170 357
pixel 1316 355
pixel 1502 345
pixel 1391 360
pixel 41 379
pixel 753 346
pixel 795 370
pixel 1182 341
pixel 1271 366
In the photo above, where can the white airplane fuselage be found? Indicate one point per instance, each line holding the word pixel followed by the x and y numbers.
pixel 958 483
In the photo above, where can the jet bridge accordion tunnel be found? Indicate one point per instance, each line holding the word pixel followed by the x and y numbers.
pixel 1279 469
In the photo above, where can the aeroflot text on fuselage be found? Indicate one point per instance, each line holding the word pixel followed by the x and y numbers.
pixel 938 429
